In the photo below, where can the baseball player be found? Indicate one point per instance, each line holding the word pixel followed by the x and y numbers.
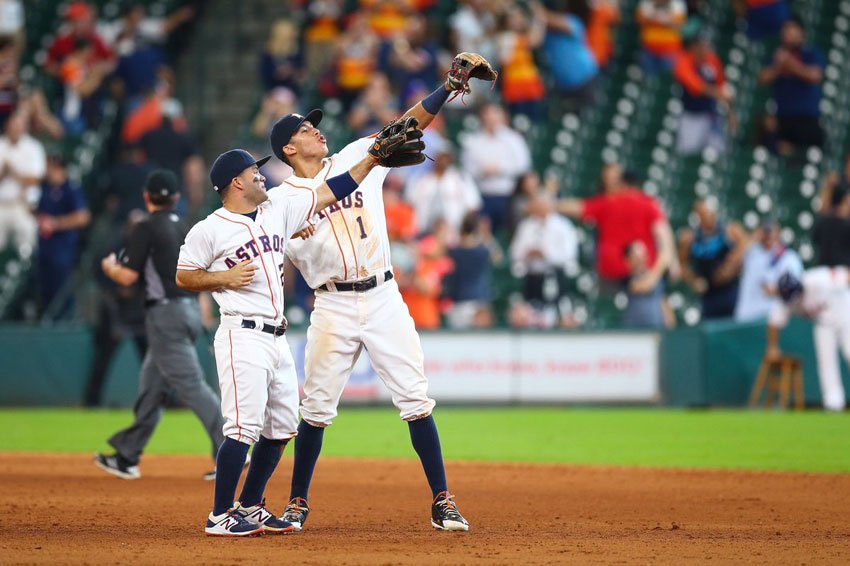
pixel 358 304
pixel 237 253
pixel 823 295
pixel 172 323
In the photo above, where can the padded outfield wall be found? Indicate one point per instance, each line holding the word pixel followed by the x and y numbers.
pixel 712 365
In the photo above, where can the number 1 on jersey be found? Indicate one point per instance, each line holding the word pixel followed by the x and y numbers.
pixel 362 229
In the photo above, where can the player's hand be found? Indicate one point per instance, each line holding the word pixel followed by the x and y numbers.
pixel 240 275
pixel 305 233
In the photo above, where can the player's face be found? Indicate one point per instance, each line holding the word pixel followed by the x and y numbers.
pixel 254 184
pixel 309 142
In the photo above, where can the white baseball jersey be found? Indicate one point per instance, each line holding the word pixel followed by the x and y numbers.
pixel 351 241
pixel 826 300
pixel 256 371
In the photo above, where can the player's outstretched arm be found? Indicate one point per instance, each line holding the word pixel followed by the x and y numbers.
pixel 199 280
pixel 339 187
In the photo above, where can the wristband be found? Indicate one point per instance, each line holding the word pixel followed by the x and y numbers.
pixel 434 101
pixel 342 185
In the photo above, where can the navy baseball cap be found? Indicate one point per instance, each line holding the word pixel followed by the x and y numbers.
pixel 229 164
pixel 284 128
pixel 162 182
pixel 789 287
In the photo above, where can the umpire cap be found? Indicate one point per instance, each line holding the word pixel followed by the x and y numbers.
pixel 229 164
pixel 789 287
pixel 284 128
pixel 161 182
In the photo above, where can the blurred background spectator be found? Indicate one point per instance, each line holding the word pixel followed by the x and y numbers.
pixel 574 68
pixel 764 17
pixel 661 23
pixel 795 72
pixel 282 61
pixel 22 166
pixel 831 233
pixel 468 285
pixel 374 108
pixel 520 33
pixel 711 258
pixel 496 156
pixel 644 290
pixel 422 285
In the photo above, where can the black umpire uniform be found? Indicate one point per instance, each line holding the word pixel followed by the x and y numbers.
pixel 172 323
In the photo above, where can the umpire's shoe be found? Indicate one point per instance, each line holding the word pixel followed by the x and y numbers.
pixel 117 466
pixel 258 515
pixel 444 514
pixel 296 512
pixel 231 524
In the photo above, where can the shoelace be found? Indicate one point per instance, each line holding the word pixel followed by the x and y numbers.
pixel 240 520
pixel 450 506
pixel 294 507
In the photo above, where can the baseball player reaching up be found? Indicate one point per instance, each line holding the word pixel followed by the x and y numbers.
pixel 237 253
pixel 823 295
pixel 357 304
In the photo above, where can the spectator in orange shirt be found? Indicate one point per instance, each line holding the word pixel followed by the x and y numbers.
pixel 421 288
pixel 357 52
pixel 660 24
pixel 704 93
pixel 522 87
pixel 401 218
pixel 604 14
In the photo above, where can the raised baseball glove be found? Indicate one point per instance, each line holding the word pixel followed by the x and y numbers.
pixel 467 66
pixel 399 144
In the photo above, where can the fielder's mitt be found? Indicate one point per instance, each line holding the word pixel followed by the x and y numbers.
pixel 399 144
pixel 467 66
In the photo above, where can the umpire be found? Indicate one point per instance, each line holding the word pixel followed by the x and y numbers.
pixel 173 324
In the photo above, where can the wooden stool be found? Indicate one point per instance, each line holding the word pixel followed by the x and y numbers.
pixel 779 376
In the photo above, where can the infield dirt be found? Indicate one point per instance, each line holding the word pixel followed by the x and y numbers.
pixel 61 509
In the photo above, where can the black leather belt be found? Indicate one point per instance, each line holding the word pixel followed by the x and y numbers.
pixel 170 301
pixel 359 286
pixel 267 328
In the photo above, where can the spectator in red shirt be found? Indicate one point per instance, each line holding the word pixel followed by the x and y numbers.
pixel 704 95
pixel 622 215
pixel 81 19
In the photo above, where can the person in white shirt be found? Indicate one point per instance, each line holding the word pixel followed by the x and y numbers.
pixel 544 248
pixel 22 166
pixel 445 193
pixel 764 262
pixel 823 295
pixel 495 157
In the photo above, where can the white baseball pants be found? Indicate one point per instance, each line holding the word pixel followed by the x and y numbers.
pixel 259 386
pixel 827 341
pixel 342 324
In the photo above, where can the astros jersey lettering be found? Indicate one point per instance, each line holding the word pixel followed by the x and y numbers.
pixel 351 241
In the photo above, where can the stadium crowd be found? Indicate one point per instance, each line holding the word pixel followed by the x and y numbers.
pixel 480 204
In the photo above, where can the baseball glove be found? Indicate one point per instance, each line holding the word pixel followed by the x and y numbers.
pixel 467 66
pixel 399 144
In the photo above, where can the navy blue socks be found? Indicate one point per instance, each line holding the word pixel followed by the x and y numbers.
pixel 228 465
pixel 308 445
pixel 264 460
pixel 426 442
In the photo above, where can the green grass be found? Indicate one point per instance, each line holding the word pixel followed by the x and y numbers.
pixel 810 441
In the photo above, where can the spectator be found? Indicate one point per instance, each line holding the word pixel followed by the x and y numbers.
pixel 421 288
pixel 62 212
pixel 446 193
pixel 796 71
pixel 148 115
pixel 125 181
pixel 622 214
pixel 81 80
pixel 831 234
pixel 320 35
pixel 495 157
pixel 9 61
pixel 282 61
pixel 544 247
pixel 604 14
pixel 572 64
pixel 176 151
pixel 645 290
pixel 22 166
pixel 522 87
pixel 387 18
pixel 765 260
pixel 276 104
pixel 374 108
pixel 401 217
pixel 81 20
pixel 528 186
pixel 468 285
pixel 434 136
pixel 472 29
pixel 764 17
pixel 716 250
pixel 12 22
pixel 357 53
pixel 660 24
pixel 704 93
pixel 412 57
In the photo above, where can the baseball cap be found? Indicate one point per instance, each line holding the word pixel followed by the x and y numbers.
pixel 284 128
pixel 789 287
pixel 77 11
pixel 161 182
pixel 229 164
